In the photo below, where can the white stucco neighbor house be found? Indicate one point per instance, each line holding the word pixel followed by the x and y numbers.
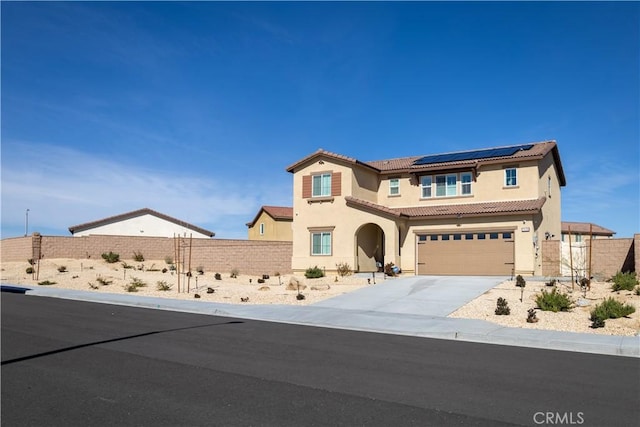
pixel 479 212
pixel 142 222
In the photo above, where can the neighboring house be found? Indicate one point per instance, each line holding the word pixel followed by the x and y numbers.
pixel 143 222
pixel 480 212
pixel 582 231
pixel 272 223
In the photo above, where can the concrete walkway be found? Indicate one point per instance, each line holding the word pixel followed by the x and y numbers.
pixel 416 306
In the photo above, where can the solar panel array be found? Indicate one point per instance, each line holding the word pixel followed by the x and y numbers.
pixel 472 155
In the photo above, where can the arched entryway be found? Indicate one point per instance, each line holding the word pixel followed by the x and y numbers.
pixel 369 247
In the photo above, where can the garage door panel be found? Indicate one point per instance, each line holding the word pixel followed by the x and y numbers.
pixel 475 256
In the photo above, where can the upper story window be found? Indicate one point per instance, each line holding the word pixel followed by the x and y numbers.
pixel 394 186
pixel 448 185
pixel 321 185
pixel 465 183
pixel 425 184
pixel 511 177
pixel 262 228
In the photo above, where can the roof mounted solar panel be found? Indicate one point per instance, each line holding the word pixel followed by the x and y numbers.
pixel 471 155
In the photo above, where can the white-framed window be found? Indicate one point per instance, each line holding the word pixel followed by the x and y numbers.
pixel 511 177
pixel 321 243
pixel 446 185
pixel 262 228
pixel 465 183
pixel 394 186
pixel 425 185
pixel 321 185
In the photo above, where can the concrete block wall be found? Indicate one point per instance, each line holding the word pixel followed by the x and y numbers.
pixel 213 255
pixel 610 256
pixel 551 258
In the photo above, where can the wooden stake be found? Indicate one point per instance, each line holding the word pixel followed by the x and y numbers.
pixel 571 258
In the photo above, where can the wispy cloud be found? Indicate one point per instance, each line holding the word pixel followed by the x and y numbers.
pixel 64 187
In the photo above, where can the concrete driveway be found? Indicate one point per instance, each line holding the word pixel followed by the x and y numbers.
pixel 421 295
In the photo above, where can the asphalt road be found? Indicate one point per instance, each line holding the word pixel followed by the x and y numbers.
pixel 73 363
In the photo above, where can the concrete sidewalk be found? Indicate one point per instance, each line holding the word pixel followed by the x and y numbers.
pixel 415 306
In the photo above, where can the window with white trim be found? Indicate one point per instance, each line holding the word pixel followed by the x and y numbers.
pixel 425 185
pixel 321 185
pixel 465 183
pixel 448 185
pixel 262 228
pixel 394 186
pixel 321 243
pixel 511 177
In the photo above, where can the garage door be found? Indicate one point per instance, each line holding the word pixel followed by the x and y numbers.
pixel 481 254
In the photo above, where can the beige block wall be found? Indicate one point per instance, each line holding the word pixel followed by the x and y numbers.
pixel 214 255
pixel 610 256
pixel 551 258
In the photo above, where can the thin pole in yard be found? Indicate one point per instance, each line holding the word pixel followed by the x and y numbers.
pixel 570 258
pixel 590 247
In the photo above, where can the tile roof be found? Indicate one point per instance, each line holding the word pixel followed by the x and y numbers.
pixel 275 212
pixel 406 164
pixel 511 207
pixel 133 214
pixel 583 228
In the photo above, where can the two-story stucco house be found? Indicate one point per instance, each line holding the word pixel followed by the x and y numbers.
pixel 480 212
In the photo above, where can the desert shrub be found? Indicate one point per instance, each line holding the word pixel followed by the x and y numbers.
pixel 31 261
pixel 624 281
pixel 502 307
pixel 168 260
pixel 111 257
pixel 551 282
pixel 218 276
pixel 62 269
pixel 609 309
pixel 163 286
pixel 126 266
pixel 637 291
pixel 92 286
pixel 30 270
pixel 164 270
pixel 46 283
pixel 135 283
pixel 314 272
pixel 344 269
pixel 103 281
pixel 234 273
pixel 520 282
pixel 138 257
pixel 553 301
pixel 300 297
pixel 130 288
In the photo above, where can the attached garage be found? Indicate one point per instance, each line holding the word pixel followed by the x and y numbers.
pixel 488 253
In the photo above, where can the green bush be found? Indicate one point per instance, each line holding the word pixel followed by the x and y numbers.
pixel 609 309
pixel 314 273
pixel 111 257
pixel 344 269
pixel 163 286
pixel 138 257
pixel 30 270
pixel 553 301
pixel 502 307
pixel 624 281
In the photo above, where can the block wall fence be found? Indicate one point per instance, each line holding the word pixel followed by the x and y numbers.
pixel 269 257
pixel 608 256
pixel 214 255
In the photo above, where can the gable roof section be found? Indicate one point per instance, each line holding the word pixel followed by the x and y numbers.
pixel 483 209
pixel 279 213
pixel 134 214
pixel 320 154
pixel 583 228
pixel 531 151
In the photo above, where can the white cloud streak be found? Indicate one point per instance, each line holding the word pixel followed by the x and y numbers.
pixel 63 187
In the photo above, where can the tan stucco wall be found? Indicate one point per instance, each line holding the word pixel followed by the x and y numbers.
pixel 273 230
pixel 142 226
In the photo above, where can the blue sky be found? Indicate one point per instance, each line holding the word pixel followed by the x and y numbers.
pixel 196 109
